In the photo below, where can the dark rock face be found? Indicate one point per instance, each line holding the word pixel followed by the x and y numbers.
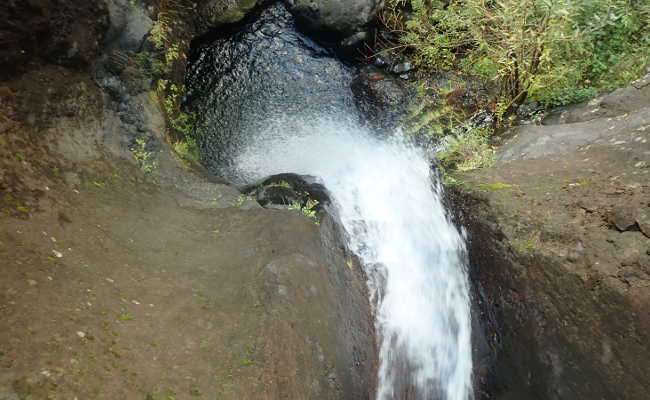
pixel 128 26
pixel 244 84
pixel 562 264
pixel 287 189
pixel 334 20
pixel 65 33
pixel 553 335
pixel 215 13
pixel 378 96
pixel 274 194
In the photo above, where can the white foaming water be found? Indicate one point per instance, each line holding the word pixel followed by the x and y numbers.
pixel 383 193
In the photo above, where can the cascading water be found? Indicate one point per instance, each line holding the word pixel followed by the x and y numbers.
pixel 272 102
pixel 383 194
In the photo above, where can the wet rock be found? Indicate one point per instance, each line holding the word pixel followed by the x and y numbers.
pixel 116 62
pixel 529 110
pixel 333 20
pixel 298 185
pixel 402 68
pixel 263 79
pixel 383 59
pixel 482 119
pixel 274 194
pixel 350 46
pixel 215 13
pixel 552 332
pixel 378 96
pixel 623 217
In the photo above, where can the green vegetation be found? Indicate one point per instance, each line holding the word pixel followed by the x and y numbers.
pixel 283 184
pixel 497 186
pixel 125 317
pixel 170 36
pixel 553 51
pixel 184 124
pixel 308 209
pixel 470 149
pixel 195 392
pixel 431 116
pixel 142 156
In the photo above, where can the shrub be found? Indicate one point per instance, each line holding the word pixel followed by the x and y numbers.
pixel 184 124
pixel 553 51
pixel 467 150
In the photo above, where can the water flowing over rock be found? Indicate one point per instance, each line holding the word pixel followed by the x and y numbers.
pixel 413 256
pixel 380 97
pixel 264 71
pixel 273 102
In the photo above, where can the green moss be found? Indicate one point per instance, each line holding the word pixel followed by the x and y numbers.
pixel 497 186
pixel 467 150
pixel 125 317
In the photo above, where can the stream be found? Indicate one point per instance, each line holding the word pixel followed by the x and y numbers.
pixel 272 101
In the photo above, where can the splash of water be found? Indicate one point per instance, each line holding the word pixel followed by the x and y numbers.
pixel 383 193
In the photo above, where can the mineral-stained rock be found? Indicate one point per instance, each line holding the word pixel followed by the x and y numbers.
pixel 380 97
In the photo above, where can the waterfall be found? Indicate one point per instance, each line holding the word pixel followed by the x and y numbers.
pixel 272 101
pixel 389 203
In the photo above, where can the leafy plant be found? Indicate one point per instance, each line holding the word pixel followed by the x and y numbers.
pixel 183 123
pixel 308 209
pixel 553 51
pixel 170 36
pixel 142 156
pixel 467 150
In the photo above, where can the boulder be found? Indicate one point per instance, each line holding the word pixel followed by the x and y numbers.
pixel 288 188
pixel 129 24
pixel 253 82
pixel 214 13
pixel 623 217
pixel 380 97
pixel 275 194
pixel 333 20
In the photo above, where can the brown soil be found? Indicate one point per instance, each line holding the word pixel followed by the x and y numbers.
pixel 113 291
pixel 120 284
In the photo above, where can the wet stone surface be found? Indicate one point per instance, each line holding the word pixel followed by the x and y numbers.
pixel 241 84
